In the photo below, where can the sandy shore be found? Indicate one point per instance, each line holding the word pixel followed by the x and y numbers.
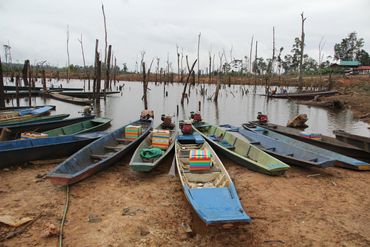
pixel 119 207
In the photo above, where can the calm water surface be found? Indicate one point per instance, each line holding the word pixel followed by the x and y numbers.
pixel 233 107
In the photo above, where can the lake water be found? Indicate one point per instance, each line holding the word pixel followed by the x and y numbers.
pixel 232 107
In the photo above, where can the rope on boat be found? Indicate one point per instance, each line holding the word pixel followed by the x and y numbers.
pixel 66 204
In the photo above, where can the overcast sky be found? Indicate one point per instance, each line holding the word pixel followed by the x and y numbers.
pixel 36 29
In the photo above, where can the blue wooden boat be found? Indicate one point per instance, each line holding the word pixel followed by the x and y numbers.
pixel 20 151
pixel 240 150
pixel 47 125
pixel 98 155
pixel 284 151
pixel 33 120
pixel 342 160
pixel 23 114
pixel 211 193
pixel 326 142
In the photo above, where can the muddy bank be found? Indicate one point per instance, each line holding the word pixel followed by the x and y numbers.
pixel 119 207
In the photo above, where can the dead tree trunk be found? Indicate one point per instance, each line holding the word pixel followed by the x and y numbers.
pixel 95 68
pixel 178 63
pixel 107 72
pixel 144 87
pixel 29 84
pixel 250 55
pixel 105 34
pixel 300 80
pixel 187 79
pixel 2 94
pixel 17 83
pixel 68 69
pixel 198 72
pixel 83 59
pixel 98 81
pixel 25 73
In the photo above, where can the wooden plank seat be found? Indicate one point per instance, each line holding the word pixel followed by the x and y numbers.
pixel 98 156
pixel 123 140
pixel 114 148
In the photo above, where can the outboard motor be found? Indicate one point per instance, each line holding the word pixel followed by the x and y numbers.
pixel 262 118
pixel 186 127
pixel 196 117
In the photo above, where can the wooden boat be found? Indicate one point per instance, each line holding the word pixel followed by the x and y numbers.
pixel 321 157
pixel 24 114
pixel 211 193
pixel 11 108
pixel 20 151
pixel 356 140
pixel 87 94
pixel 69 99
pixel 49 124
pixel 98 155
pixel 302 95
pixel 81 127
pixel 33 120
pixel 240 151
pixel 13 88
pixel 139 164
pixel 324 141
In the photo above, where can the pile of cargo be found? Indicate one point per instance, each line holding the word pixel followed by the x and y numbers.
pixel 200 160
pixel 161 139
pixel 132 132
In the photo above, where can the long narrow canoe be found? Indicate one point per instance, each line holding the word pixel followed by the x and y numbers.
pixel 341 160
pixel 15 108
pixel 97 156
pixel 326 142
pixel 211 193
pixel 20 151
pixel 13 88
pixel 302 95
pixel 44 126
pixel 81 127
pixel 70 99
pixel 240 151
pixel 87 94
pixel 362 142
pixel 321 157
pixel 24 114
pixel 139 164
pixel 34 120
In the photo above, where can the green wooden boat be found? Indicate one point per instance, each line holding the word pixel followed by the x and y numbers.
pixel 34 120
pixel 240 151
pixel 138 164
pixel 81 127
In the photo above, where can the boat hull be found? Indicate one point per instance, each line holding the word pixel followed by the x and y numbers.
pixel 60 148
pixel 80 166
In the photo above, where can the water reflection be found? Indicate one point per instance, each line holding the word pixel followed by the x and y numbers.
pixel 233 107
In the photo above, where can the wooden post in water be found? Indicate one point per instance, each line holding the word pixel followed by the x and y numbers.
pixel 300 79
pixel 187 79
pixel 107 71
pixel 144 87
pixel 2 94
pixel 24 72
pixel 199 105
pixel 95 68
pixel 177 110
pixel 29 84
pixel 17 82
pixel 98 81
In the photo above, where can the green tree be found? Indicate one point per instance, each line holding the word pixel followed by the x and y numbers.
pixel 363 57
pixel 349 48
